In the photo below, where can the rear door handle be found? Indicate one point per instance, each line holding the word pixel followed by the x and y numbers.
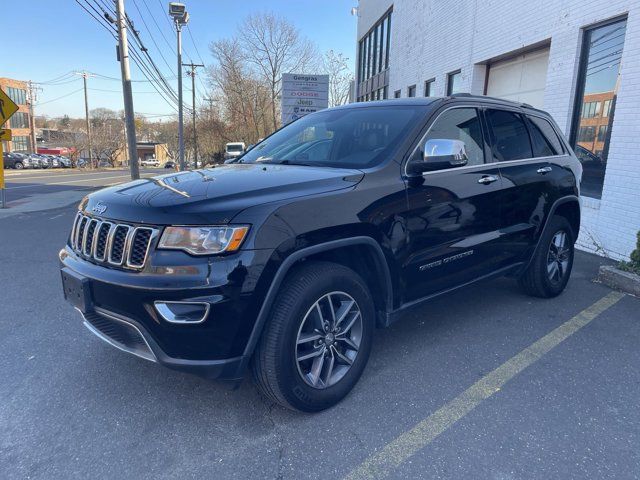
pixel 544 170
pixel 487 179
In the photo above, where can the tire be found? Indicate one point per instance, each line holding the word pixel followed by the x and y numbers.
pixel 542 279
pixel 277 371
pixel 18 165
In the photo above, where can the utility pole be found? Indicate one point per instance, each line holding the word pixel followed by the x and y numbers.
pixel 192 74
pixel 210 100
pixel 180 16
pixel 32 120
pixel 84 76
pixel 180 113
pixel 126 91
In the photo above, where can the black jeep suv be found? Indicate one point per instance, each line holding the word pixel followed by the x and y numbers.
pixel 339 222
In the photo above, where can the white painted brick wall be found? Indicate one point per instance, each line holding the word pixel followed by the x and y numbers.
pixel 430 38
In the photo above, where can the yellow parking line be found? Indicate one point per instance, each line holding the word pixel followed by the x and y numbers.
pixel 381 464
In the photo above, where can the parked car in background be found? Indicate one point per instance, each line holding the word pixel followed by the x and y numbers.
pixel 170 164
pixel 64 162
pixel 17 161
pixel 150 162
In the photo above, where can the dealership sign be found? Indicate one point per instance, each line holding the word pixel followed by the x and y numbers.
pixel 303 94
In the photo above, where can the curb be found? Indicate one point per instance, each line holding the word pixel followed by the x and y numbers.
pixel 620 280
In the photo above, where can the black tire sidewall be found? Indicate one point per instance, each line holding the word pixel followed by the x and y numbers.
pixel 557 224
pixel 297 392
pixel 18 166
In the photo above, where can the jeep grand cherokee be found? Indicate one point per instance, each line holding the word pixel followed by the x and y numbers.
pixel 285 262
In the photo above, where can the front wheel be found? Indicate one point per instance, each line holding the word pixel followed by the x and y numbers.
pixel 318 338
pixel 18 166
pixel 550 268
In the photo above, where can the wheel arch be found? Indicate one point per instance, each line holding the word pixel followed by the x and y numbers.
pixel 568 207
pixel 337 251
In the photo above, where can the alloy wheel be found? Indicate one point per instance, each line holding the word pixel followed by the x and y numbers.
pixel 558 257
pixel 328 340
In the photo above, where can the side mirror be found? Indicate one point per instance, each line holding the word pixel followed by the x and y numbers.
pixel 438 154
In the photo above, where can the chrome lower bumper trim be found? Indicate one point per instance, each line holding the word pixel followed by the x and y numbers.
pixel 148 355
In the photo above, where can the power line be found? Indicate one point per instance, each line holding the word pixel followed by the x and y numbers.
pixel 59 98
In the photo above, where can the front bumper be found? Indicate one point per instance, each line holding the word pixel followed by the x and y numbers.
pixel 119 307
pixel 129 336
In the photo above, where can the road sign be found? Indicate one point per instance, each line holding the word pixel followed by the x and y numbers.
pixel 7 107
pixel 5 134
pixel 303 94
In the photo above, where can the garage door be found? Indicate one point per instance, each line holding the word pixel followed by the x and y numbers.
pixel 521 78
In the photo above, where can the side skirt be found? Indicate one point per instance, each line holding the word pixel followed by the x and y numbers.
pixel 392 317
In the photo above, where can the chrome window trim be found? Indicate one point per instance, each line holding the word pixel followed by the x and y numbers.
pixel 486 164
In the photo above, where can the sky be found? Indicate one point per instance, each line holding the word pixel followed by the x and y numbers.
pixel 63 38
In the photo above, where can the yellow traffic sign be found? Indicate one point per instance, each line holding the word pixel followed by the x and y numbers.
pixel 7 107
pixel 5 134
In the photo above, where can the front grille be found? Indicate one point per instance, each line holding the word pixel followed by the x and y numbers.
pixel 119 333
pixel 116 244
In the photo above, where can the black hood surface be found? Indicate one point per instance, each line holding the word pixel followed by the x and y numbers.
pixel 214 195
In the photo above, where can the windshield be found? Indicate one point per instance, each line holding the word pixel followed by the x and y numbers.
pixel 343 138
pixel 234 148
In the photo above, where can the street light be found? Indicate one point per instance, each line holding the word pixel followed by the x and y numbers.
pixel 180 16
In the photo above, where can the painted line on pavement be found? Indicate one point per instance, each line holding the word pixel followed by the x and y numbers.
pixel 381 464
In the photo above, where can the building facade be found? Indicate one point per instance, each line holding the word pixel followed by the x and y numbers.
pixel 21 123
pixel 578 60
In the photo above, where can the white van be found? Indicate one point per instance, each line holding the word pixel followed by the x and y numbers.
pixel 233 150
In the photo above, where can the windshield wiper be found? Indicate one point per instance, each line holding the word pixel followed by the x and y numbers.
pixel 274 161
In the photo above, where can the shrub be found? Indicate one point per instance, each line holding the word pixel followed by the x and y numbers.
pixel 633 265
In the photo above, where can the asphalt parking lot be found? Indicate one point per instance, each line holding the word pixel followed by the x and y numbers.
pixel 484 383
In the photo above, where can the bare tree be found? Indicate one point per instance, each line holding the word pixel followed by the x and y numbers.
pixel 273 46
pixel 336 65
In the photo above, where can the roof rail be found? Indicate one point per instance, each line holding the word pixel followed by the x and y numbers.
pixel 461 94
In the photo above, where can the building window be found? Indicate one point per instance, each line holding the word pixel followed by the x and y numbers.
pixel 597 87
pixel 602 132
pixel 385 92
pixel 19 120
pixel 397 94
pixel 411 91
pixel 453 82
pixel 590 109
pixel 20 144
pixel 587 134
pixel 374 49
pixel 18 95
pixel 428 87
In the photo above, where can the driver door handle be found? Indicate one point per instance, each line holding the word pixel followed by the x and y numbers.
pixel 544 170
pixel 487 179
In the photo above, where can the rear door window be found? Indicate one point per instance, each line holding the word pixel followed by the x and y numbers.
pixel 545 140
pixel 509 136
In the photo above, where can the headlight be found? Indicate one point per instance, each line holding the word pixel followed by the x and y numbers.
pixel 203 240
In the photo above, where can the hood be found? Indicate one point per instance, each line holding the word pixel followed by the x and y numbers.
pixel 213 195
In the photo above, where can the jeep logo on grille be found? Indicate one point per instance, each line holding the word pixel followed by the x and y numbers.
pixel 99 208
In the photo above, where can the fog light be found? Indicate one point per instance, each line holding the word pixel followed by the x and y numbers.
pixel 182 312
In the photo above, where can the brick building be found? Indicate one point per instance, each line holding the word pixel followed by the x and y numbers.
pixel 21 123
pixel 578 60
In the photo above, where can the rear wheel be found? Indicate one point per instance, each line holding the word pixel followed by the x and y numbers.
pixel 317 341
pixel 550 268
pixel 18 166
